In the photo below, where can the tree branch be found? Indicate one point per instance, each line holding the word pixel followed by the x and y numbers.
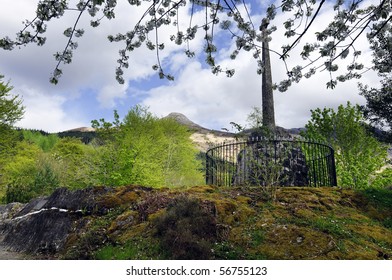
pixel 303 33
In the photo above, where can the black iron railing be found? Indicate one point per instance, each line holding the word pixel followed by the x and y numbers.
pixel 274 162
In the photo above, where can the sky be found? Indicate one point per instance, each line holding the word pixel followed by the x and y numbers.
pixel 88 89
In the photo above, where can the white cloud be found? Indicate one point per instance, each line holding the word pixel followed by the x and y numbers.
pixel 108 95
pixel 46 113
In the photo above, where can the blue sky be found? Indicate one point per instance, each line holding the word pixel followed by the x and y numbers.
pixel 88 89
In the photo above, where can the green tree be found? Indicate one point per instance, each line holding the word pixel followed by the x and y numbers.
pixel 145 150
pixel 378 108
pixel 19 170
pixel 358 155
pixel 45 142
pixel 11 110
pixel 72 162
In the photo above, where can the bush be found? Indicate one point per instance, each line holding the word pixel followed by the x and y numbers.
pixel 187 230
pixel 29 173
pixel 145 150
pixel 45 182
pixel 383 179
pixel 358 155
pixel 45 141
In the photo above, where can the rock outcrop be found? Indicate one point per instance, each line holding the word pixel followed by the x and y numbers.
pixel 43 225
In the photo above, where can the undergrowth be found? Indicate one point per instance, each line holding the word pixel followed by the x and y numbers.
pixel 207 222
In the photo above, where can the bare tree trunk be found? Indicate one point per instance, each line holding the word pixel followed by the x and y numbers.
pixel 267 92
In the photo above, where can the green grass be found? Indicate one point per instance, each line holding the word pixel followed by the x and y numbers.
pixel 381 198
pixel 135 249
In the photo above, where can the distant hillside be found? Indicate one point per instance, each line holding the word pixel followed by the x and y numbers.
pixel 202 137
pixel 85 134
pixel 80 129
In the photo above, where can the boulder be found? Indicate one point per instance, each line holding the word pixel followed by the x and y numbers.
pixel 43 225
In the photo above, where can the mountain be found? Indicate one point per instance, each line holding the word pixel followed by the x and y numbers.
pixel 202 137
pixel 81 129
pixel 182 119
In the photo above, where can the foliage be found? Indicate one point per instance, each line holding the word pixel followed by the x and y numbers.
pixel 186 230
pixel 21 166
pixel 85 136
pixel 255 118
pixel 41 162
pixel 28 174
pixel 232 18
pixel 383 179
pixel 45 142
pixel 379 100
pixel 143 149
pixel 73 158
pixel 358 155
pixel 11 110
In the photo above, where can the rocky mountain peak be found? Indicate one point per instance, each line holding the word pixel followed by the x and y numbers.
pixel 182 119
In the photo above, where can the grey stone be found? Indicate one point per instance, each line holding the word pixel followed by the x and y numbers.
pixel 43 225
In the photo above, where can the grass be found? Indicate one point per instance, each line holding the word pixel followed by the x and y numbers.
pixel 137 248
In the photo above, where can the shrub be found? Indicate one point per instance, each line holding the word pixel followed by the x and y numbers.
pixel 44 183
pixel 145 150
pixel 187 230
pixel 358 155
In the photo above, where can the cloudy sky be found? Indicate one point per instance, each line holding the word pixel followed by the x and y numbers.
pixel 88 89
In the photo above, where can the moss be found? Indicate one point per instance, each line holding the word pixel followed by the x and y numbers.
pixel 303 223
pixel 128 196
pixel 243 199
pixel 138 230
pixel 373 233
pixel 202 189
pixel 152 217
pixel 225 211
pixel 124 221
pixel 293 242
pixel 109 201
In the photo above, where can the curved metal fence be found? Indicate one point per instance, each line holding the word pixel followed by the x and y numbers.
pixel 267 162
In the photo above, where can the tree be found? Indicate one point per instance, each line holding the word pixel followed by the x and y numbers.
pixel 379 100
pixel 142 149
pixel 11 110
pixel 358 155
